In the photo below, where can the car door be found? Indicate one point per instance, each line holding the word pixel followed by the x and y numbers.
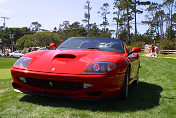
pixel 134 60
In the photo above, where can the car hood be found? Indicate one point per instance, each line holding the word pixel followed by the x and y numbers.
pixel 69 61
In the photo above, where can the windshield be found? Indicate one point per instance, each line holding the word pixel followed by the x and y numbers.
pixel 104 44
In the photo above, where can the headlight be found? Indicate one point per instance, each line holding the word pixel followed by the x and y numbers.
pixel 23 62
pixel 101 67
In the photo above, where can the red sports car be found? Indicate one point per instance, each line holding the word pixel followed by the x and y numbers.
pixel 81 67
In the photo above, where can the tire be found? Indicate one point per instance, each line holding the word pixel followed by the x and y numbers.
pixel 124 92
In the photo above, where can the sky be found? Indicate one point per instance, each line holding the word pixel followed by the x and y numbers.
pixel 51 13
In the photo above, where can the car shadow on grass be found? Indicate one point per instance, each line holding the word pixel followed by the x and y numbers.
pixel 141 97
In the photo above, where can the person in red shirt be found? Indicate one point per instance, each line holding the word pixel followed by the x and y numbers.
pixel 153 51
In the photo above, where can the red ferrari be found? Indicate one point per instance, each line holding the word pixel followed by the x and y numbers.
pixel 81 67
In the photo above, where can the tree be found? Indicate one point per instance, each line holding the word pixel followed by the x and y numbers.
pixel 104 12
pixel 170 34
pixel 117 19
pixel 153 19
pixel 174 20
pixel 159 17
pixel 141 38
pixel 26 41
pixel 39 39
pixel 71 30
pixel 87 16
pixel 124 36
pixel 119 11
pixel 169 4
pixel 9 36
pixel 128 24
pixel 5 42
pixel 137 11
pixel 35 26
pixel 77 30
pixel 55 29
pixel 66 24
pixel 166 44
pixel 124 15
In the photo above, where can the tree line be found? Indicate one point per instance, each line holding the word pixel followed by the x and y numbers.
pixel 34 36
pixel 160 18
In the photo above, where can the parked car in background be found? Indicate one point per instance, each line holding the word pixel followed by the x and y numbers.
pixel 43 48
pixel 16 54
pixel 31 49
pixel 1 55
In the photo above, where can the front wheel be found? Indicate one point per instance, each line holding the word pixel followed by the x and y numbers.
pixel 124 93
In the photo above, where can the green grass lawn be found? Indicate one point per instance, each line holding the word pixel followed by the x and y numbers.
pixel 154 97
pixel 161 55
pixel 5 65
pixel 167 55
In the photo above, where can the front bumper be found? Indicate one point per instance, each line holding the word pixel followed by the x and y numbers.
pixel 62 96
pixel 103 85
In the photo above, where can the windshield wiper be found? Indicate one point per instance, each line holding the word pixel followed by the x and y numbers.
pixel 63 47
pixel 93 48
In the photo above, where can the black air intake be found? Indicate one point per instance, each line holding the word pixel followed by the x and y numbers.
pixel 65 56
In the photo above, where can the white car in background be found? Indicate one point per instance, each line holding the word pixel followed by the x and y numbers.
pixel 43 48
pixel 16 54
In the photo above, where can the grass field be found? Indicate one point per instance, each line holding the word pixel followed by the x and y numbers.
pixel 167 55
pixel 154 97
pixel 161 55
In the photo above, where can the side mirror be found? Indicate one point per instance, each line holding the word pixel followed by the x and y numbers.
pixel 53 46
pixel 135 50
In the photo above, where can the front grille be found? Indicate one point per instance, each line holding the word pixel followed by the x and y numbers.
pixel 51 84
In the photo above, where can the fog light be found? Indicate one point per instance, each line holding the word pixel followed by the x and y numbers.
pixel 87 85
pixel 22 79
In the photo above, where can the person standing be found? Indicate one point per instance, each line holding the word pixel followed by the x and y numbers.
pixel 152 51
pixel 157 50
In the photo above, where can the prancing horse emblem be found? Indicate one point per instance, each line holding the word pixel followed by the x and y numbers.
pixel 50 84
pixel 53 69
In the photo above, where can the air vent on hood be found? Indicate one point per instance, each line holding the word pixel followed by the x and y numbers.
pixel 65 56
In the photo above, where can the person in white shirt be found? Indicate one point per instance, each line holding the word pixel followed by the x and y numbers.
pixel 157 50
